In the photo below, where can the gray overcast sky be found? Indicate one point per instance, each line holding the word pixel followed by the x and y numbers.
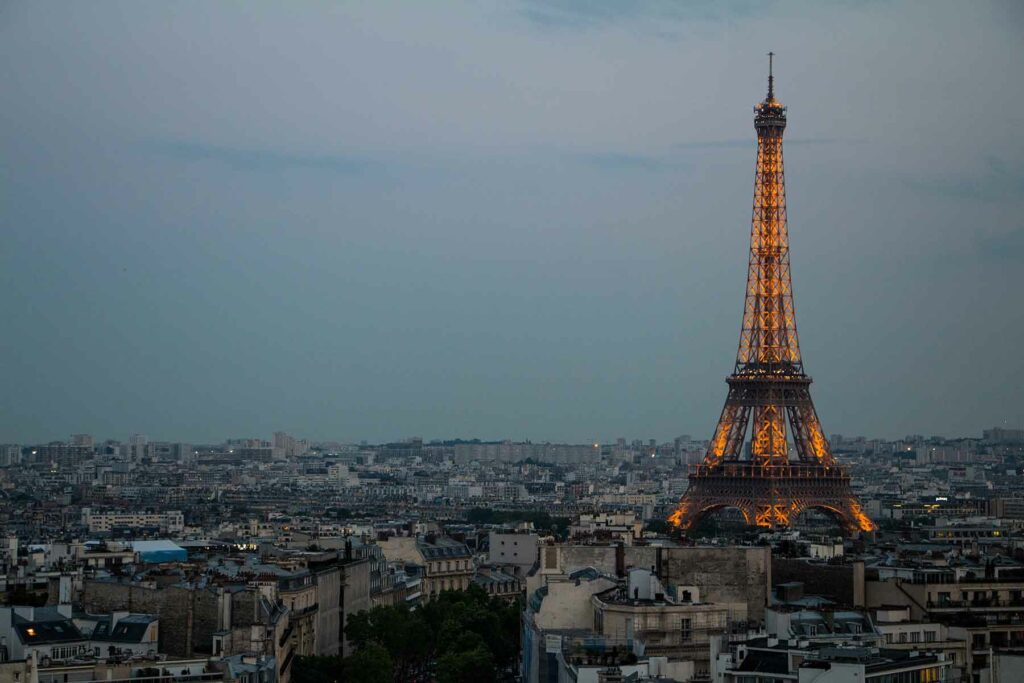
pixel 515 219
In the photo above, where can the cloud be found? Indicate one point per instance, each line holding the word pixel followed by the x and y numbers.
pixel 262 160
pixel 591 13
pixel 997 181
pixel 1008 246
pixel 672 160
pixel 742 143
pixel 616 161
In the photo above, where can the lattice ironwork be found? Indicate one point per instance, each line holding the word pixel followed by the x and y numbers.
pixel 768 388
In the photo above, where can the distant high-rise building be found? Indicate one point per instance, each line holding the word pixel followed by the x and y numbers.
pixel 82 440
pixel 168 451
pixel 60 453
pixel 998 435
pixel 137 446
pixel 10 454
pixel 287 446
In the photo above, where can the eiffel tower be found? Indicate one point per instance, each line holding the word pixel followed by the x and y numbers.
pixel 768 486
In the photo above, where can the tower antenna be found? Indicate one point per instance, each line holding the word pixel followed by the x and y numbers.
pixel 771 78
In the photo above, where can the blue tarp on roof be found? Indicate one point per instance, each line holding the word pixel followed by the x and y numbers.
pixel 155 552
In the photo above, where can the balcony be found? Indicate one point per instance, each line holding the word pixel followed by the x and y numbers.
pixel 978 604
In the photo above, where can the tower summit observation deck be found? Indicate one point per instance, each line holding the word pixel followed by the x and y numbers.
pixel 768 386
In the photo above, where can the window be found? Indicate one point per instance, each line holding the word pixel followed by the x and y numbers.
pixel 929 636
pixel 888 639
pixel 903 637
pixel 685 630
pixel 915 637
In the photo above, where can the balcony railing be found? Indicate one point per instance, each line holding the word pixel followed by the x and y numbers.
pixel 749 470
pixel 948 578
pixel 975 604
pixel 990 601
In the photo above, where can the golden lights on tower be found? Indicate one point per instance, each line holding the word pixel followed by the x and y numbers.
pixel 769 389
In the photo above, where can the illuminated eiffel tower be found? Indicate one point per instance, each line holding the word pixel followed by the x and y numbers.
pixel 768 385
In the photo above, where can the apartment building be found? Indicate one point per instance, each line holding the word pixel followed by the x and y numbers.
pixel 170 521
pixel 980 604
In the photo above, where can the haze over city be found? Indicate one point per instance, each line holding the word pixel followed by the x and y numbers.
pixel 523 220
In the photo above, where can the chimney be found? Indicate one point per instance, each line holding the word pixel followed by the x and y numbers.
pixel 620 560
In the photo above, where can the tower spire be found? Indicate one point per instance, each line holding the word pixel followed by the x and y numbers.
pixel 771 78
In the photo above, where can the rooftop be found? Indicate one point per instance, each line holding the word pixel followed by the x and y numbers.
pixel 47 625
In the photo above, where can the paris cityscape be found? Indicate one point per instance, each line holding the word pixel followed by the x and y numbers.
pixel 287 404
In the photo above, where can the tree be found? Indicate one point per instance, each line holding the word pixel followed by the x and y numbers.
pixel 317 670
pixel 459 636
pixel 371 664
pixel 659 526
pixel 470 666
pixel 541 519
pixel 400 631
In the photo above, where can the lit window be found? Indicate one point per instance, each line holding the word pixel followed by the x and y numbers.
pixel 31 632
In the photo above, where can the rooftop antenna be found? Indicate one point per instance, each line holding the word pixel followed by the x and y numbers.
pixel 771 78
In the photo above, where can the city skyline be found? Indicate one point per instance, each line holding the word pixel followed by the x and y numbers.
pixel 92 439
pixel 528 222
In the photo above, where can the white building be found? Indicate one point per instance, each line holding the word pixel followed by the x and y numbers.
pixel 171 521
pixel 518 551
